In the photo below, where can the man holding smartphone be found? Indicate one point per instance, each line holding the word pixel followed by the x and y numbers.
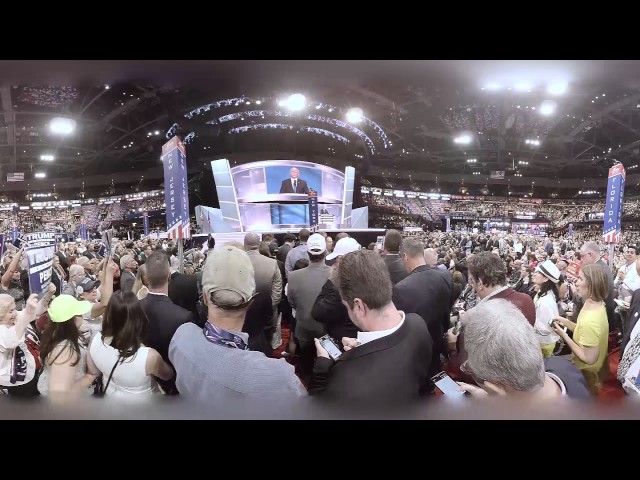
pixel 389 360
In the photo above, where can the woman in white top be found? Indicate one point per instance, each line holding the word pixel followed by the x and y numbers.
pixel 545 279
pixel 62 352
pixel 18 366
pixel 125 325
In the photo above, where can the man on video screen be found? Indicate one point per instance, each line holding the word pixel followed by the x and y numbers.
pixel 294 184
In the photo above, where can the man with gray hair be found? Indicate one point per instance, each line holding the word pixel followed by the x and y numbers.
pixel 590 253
pixel 128 267
pixel 76 275
pixel 430 257
pixel 504 357
pixel 214 364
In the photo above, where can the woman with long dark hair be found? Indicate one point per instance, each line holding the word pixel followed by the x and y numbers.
pixel 118 350
pixel 545 278
pixel 62 350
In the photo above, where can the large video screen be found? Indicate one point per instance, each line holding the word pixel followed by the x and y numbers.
pixel 286 180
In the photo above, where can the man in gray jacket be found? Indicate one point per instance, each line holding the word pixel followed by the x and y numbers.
pixel 304 287
pixel 267 276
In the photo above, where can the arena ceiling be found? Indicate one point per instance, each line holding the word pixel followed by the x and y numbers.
pixel 413 113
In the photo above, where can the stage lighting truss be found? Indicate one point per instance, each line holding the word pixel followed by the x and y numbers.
pixel 317 118
pixel 285 126
pixel 318 106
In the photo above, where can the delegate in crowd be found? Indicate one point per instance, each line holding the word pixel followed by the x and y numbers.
pixel 500 314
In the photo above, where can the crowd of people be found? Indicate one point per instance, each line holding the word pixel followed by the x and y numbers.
pixel 67 219
pixel 513 315
pixel 559 213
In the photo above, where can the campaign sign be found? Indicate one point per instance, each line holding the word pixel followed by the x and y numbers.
pixel 40 249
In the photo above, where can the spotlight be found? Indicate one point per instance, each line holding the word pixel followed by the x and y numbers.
pixel 558 88
pixel 462 139
pixel 548 107
pixel 40 175
pixel 296 102
pixel 47 158
pixel 355 115
pixel 62 125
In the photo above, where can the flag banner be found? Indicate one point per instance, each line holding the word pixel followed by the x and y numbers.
pixel 614 203
pixel 83 229
pixel 176 192
pixel 15 177
pixel 571 230
pixel 145 223
pixel 15 233
pixel 448 224
pixel 313 208
pixel 39 250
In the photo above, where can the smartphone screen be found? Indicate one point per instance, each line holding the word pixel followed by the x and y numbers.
pixel 331 348
pixel 380 243
pixel 446 384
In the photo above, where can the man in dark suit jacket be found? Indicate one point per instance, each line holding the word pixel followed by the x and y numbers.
pixel 294 184
pixel 328 307
pixel 164 316
pixel 390 359
pixel 391 249
pixel 428 292
pixel 183 291
pixel 631 318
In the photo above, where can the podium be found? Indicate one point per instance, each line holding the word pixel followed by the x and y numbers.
pixel 327 219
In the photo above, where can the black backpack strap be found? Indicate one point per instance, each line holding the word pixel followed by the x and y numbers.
pixel 104 390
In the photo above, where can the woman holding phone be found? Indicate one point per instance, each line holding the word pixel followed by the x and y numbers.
pixel 591 330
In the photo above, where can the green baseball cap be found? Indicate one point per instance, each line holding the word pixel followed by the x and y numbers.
pixel 65 307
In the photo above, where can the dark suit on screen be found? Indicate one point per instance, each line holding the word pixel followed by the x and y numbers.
pixel 287 187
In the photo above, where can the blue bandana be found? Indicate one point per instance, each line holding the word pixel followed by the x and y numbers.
pixel 222 337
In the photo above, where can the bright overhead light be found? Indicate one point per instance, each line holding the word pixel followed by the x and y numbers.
pixel 462 139
pixel 157 132
pixel 296 102
pixel 355 115
pixel 258 102
pixel 47 158
pixel 62 125
pixel 523 87
pixel 106 87
pixel 548 107
pixel 40 175
pixel 493 86
pixel 558 88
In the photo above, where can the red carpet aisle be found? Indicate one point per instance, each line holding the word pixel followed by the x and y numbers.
pixel 611 391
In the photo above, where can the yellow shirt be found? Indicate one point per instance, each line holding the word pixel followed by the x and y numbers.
pixel 592 329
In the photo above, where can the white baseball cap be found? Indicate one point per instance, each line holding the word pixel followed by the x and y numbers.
pixel 316 244
pixel 344 246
